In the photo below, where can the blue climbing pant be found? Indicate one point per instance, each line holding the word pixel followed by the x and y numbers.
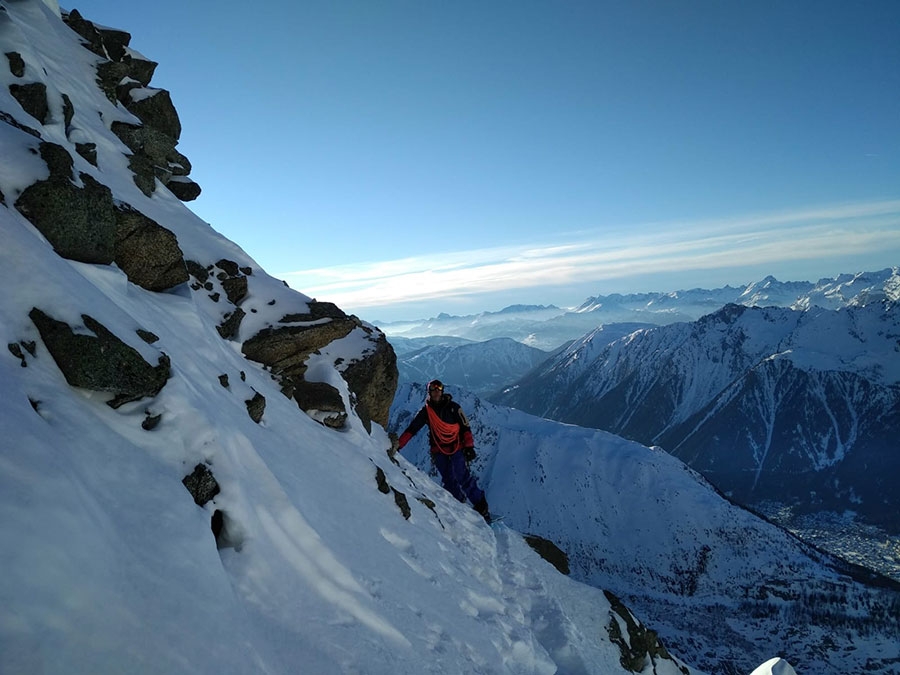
pixel 456 477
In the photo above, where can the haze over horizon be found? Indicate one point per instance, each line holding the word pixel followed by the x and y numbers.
pixel 403 160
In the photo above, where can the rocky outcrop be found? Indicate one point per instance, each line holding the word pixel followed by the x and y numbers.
pixel 147 252
pixel 79 222
pixel 256 407
pixel 16 63
pixel 201 483
pixel 154 157
pixel 372 378
pixel 15 348
pixel 84 224
pixel 155 109
pixel 229 328
pixel 284 349
pixel 640 648
pixel 322 402
pixel 549 551
pixel 184 188
pixel 100 362
pixel 109 43
pixel 125 77
pixel 203 487
pixel 10 120
pixel 232 280
pixel 33 99
pixel 82 221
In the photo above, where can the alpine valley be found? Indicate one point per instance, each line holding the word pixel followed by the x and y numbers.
pixel 196 472
pixel 785 396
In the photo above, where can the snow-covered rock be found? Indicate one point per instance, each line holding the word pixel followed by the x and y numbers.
pixel 776 666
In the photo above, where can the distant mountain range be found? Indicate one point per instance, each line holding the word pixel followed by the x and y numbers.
pixel 550 327
pixel 770 404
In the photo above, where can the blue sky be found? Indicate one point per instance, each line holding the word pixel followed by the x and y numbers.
pixel 405 158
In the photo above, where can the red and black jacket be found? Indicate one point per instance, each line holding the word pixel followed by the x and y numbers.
pixel 447 424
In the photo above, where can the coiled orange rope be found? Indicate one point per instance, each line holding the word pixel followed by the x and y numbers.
pixel 445 434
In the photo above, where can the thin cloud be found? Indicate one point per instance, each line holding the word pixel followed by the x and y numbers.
pixel 747 240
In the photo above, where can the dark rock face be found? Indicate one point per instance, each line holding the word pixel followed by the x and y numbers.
pixel 184 188
pixel 92 38
pixel 322 402
pixel 16 63
pixel 88 151
pixel 373 379
pixel 33 99
pixel 124 78
pixel 147 336
pixel 399 498
pixel 229 328
pixel 285 349
pixel 198 271
pixel 114 41
pixel 234 283
pixel 201 484
pixel 235 288
pixel 84 224
pixel 153 156
pixel 143 140
pixel 140 69
pixel 151 422
pixel 68 111
pixel 10 120
pixel 145 173
pixel 147 252
pixel 16 351
pixel 111 44
pixel 641 646
pixel 78 222
pixel 256 407
pixel 101 362
pixel 156 111
pixel 549 551
pixel 109 74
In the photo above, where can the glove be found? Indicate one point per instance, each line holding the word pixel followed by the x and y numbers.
pixel 405 437
pixel 469 454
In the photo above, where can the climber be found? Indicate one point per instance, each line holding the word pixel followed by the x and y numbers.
pixel 449 434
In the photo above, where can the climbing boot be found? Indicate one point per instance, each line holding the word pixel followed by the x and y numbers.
pixel 482 508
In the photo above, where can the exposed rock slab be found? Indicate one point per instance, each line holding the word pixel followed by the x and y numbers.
pixel 79 222
pixel 147 252
pixel 100 362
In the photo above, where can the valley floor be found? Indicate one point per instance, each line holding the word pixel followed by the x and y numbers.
pixel 841 534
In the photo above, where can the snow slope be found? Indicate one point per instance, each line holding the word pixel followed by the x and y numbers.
pixel 724 588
